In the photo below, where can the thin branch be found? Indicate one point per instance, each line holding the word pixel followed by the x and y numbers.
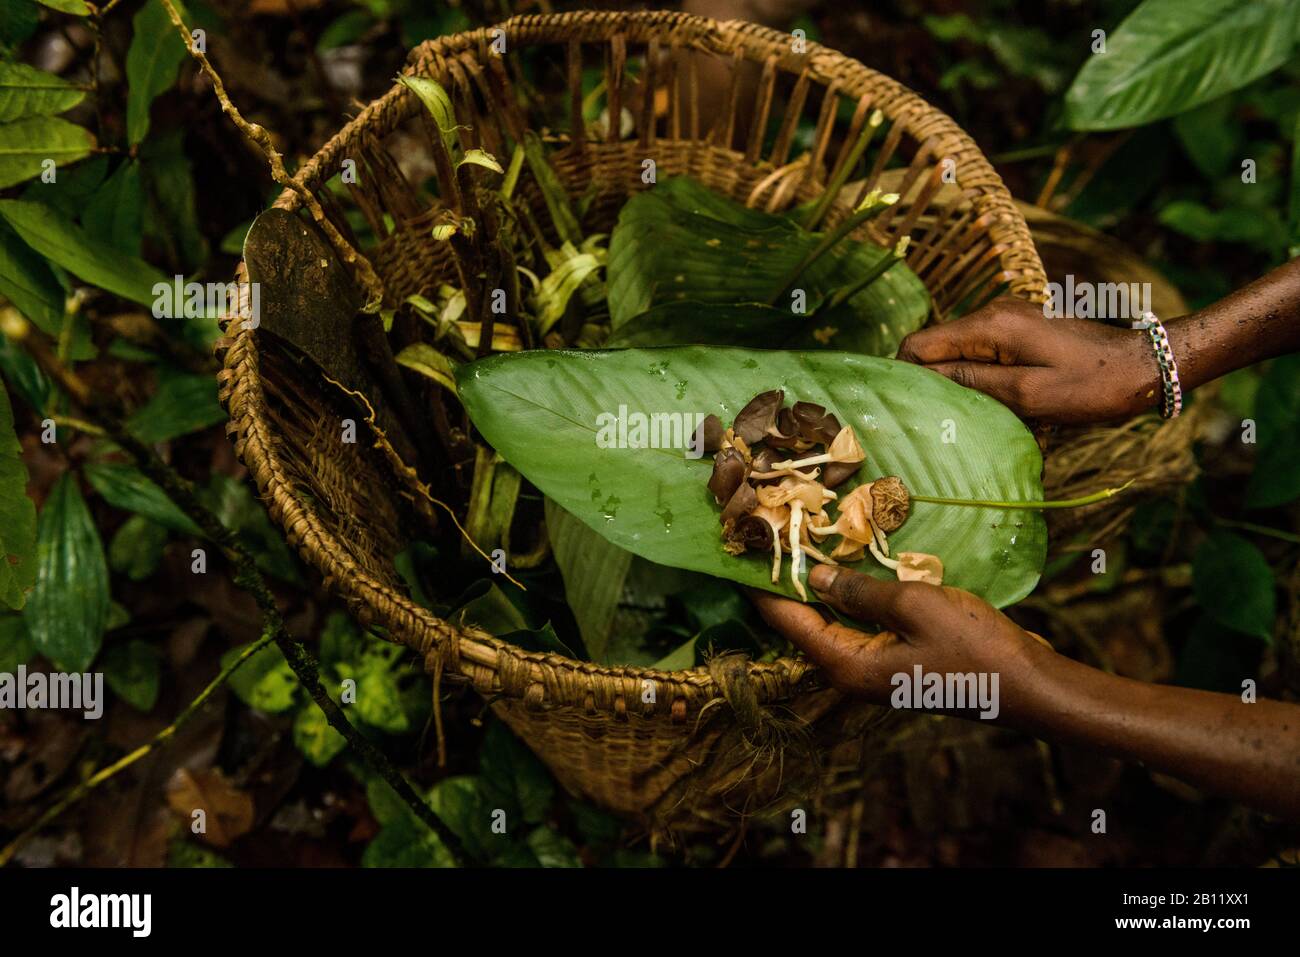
pixel 162 737
pixel 262 139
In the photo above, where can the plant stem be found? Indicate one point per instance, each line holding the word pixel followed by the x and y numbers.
pixel 867 211
pixel 1092 499
pixel 121 764
pixel 850 162
pixel 886 263
pixel 1259 529
pixel 106 412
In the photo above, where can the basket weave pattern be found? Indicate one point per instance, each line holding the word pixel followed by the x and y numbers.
pixel 688 754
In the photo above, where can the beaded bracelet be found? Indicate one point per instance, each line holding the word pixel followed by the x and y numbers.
pixel 1171 399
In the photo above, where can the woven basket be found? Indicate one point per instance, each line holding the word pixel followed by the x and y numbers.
pixel 713 741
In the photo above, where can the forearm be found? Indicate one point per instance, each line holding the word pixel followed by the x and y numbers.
pixel 1260 321
pixel 1217 742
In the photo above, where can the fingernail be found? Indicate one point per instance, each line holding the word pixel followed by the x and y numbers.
pixel 822 577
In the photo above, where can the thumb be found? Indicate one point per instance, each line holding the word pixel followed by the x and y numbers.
pixel 898 606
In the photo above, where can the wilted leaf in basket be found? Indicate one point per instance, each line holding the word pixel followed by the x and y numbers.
pixel 543 411
pixel 702 258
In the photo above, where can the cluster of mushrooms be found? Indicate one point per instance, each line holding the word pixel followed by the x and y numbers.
pixel 774 488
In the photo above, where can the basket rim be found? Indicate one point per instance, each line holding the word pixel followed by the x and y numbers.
pixel 494 667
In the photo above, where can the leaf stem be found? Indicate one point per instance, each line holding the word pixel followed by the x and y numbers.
pixel 1092 499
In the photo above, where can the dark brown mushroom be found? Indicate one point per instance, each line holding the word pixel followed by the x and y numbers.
pixel 748 531
pixel 743 501
pixel 709 435
pixel 837 473
pixel 815 423
pixel 784 434
pixel 759 414
pixel 728 473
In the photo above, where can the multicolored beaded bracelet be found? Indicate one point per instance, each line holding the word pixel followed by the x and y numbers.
pixel 1171 400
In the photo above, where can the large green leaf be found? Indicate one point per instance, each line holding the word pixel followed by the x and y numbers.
pixel 26 144
pixel 680 244
pixel 182 404
pixel 67 611
pixel 1172 55
pixel 58 238
pixel 593 569
pixel 540 410
pixel 27 91
pixel 151 63
pixel 1276 479
pixel 115 213
pixel 1234 584
pixel 17 515
pixel 27 281
pixel 126 487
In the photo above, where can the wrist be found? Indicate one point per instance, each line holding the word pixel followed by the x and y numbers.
pixel 1138 383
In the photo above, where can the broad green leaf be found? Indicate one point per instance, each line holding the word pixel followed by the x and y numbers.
pixel 379 699
pixel 315 738
pixel 15 647
pixel 553 849
pixel 265 681
pixel 1276 479
pixel 543 411
pixel 23 375
pixel 75 7
pixel 512 777
pixel 127 488
pixel 59 239
pixel 593 569
pixel 182 404
pixel 1172 55
pixel 115 213
pixel 133 670
pixel 1234 584
pixel 171 211
pixel 428 361
pixel 156 53
pixel 1210 136
pixel 680 658
pixel 680 244
pixel 67 610
pixel 438 103
pixel 136 548
pixel 18 549
pixel 26 144
pixel 26 91
pixel 27 281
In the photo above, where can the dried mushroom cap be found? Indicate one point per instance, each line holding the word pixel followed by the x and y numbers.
pixel 758 416
pixel 849 551
pixel 810 495
pixel 729 470
pixel 890 503
pixel 785 434
pixel 742 502
pixel 919 567
pixel 815 423
pixel 748 531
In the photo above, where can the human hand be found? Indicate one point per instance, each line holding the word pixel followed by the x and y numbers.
pixel 1053 370
pixel 944 630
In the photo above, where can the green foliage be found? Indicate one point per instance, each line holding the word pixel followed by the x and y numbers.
pixel 26 144
pixel 62 241
pixel 1276 479
pixel 127 488
pixel 134 671
pixel 687 265
pixel 542 411
pixel 136 548
pixel 1234 584
pixel 67 610
pixel 156 53
pixel 1172 55
pixel 26 91
pixel 594 569
pixel 18 555
pixel 15 645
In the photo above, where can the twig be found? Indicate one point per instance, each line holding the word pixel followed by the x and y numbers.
pixel 162 737
pixel 261 138
pixel 106 412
